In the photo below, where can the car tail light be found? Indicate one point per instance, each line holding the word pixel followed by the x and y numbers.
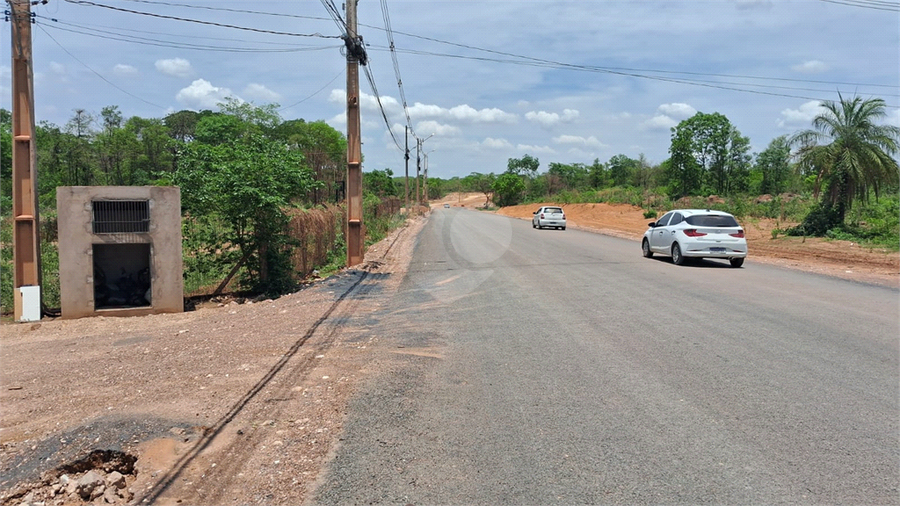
pixel 564 216
pixel 542 216
pixel 739 234
pixel 692 232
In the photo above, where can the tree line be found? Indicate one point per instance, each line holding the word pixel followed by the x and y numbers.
pixel 847 156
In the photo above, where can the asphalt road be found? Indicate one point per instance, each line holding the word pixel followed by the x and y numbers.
pixel 535 367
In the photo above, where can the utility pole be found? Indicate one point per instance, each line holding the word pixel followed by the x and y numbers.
pixel 418 169
pixel 406 181
pixel 425 182
pixel 356 56
pixel 419 143
pixel 26 228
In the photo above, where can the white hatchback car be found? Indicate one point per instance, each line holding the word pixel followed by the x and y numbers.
pixel 696 233
pixel 549 216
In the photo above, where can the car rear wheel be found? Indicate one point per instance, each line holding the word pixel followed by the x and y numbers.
pixel 533 225
pixel 645 249
pixel 736 262
pixel 677 257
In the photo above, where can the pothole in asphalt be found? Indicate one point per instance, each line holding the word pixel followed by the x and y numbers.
pixel 103 476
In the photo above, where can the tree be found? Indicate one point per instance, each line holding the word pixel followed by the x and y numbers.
pixel 567 177
pixel 324 148
pixel 621 170
pixel 483 183
pixel 151 159
pixel 707 148
pixel 250 182
pixel 597 175
pixel 5 159
pixel 685 172
pixel 850 154
pixel 380 183
pixel 77 153
pixel 526 166
pixel 508 189
pixel 737 164
pixel 774 165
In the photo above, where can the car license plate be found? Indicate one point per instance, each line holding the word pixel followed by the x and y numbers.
pixel 717 250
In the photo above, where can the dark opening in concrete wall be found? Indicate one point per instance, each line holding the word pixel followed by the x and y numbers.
pixel 122 276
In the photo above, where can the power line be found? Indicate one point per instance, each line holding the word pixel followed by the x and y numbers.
pixel 201 22
pixel 132 95
pixel 612 69
pixel 868 4
pixel 146 41
pixel 335 16
pixel 725 85
pixel 371 79
pixel 339 74
pixel 390 37
pixel 227 9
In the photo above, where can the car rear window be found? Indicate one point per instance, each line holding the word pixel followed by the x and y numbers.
pixel 553 210
pixel 712 220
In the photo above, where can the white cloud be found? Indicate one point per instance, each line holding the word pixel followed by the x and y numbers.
pixel 800 118
pixel 433 127
pixel 337 96
pixel 461 113
pixel 261 93
pixel 576 140
pixel 492 143
pixel 893 118
pixel 338 121
pixel 677 110
pixel 123 70
pixel 659 122
pixel 175 67
pixel 810 67
pixel 5 78
pixel 201 94
pixel 57 68
pixel 549 119
pixel 370 102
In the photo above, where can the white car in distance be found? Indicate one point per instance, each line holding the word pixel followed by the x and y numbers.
pixel 696 233
pixel 549 216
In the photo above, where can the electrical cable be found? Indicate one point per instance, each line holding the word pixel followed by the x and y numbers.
pixel 371 79
pixel 868 4
pixel 110 30
pixel 201 22
pixel 132 95
pixel 227 9
pixel 181 45
pixel 339 74
pixel 390 37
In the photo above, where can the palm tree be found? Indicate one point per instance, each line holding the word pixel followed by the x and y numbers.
pixel 850 153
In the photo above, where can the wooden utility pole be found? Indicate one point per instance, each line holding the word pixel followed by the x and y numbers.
pixel 26 228
pixel 406 180
pixel 356 56
pixel 418 170
pixel 425 181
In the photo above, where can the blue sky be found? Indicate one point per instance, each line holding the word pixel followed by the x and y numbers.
pixel 567 82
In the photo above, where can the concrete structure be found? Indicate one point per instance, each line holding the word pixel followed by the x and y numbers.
pixel 119 250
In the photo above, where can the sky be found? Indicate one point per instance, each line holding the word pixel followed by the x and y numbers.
pixel 483 81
